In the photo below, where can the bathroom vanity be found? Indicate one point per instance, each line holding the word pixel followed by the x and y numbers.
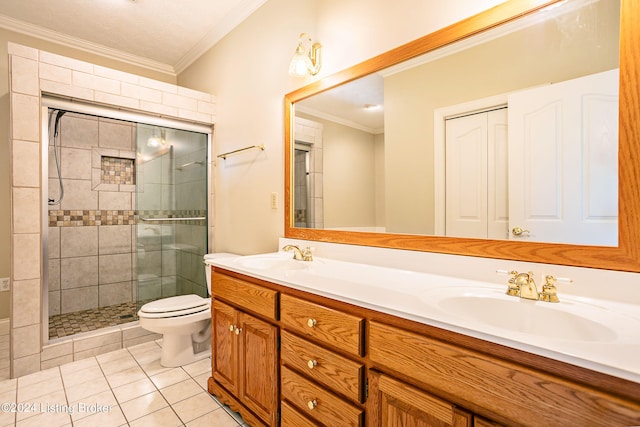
pixel 337 343
pixel 285 353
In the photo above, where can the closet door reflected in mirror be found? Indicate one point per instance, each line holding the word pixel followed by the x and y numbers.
pixel 402 207
pixel 384 171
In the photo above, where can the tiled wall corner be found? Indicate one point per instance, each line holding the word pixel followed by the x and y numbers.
pixel 31 73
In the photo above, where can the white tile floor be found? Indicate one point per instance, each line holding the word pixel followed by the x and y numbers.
pixel 124 387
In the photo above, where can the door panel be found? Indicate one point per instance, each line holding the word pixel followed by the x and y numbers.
pixel 466 176
pixel 564 137
pixel 476 181
pixel 225 355
pixel 258 342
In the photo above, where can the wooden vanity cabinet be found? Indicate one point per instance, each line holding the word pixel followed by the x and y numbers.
pixel 319 385
pixel 342 365
pixel 393 403
pixel 497 387
pixel 245 355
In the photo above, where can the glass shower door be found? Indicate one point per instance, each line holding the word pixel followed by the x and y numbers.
pixel 171 205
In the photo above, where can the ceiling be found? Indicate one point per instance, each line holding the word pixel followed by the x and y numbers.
pixel 162 35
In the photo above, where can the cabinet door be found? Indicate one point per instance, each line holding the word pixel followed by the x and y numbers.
pixel 225 354
pixel 259 375
pixel 393 403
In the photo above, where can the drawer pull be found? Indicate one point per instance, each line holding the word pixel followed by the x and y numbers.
pixel 312 404
pixel 312 323
pixel 232 328
pixel 238 331
pixel 312 363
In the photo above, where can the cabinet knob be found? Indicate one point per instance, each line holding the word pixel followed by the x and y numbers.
pixel 232 328
pixel 311 323
pixel 312 363
pixel 312 404
pixel 238 331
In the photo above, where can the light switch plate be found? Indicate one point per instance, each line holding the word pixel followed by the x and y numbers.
pixel 4 284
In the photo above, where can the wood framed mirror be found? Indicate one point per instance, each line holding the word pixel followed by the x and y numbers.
pixel 624 256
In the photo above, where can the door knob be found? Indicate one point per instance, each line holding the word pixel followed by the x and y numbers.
pixel 517 231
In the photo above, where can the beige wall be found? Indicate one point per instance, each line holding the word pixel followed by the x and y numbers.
pixel 349 176
pixel 247 71
pixel 535 56
pixel 6 37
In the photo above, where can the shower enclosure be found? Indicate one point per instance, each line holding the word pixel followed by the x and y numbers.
pixel 127 209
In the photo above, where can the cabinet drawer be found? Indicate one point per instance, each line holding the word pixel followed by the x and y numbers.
pixel 489 381
pixel 316 403
pixel 336 372
pixel 290 417
pixel 330 326
pixel 250 297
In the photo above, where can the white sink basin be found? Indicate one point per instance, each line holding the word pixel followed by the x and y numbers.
pixel 275 261
pixel 568 320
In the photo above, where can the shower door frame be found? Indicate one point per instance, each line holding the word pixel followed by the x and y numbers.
pixel 48 102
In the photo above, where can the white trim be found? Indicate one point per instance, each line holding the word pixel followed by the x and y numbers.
pixel 222 28
pixel 83 45
pixel 120 114
pixel 338 120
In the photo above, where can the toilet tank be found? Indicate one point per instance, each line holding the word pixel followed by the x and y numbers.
pixel 207 265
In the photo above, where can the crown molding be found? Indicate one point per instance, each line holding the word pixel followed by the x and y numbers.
pixel 31 30
pixel 224 27
pixel 339 120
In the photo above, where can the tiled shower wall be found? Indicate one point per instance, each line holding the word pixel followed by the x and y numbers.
pixel 32 72
pixel 310 132
pixel 91 233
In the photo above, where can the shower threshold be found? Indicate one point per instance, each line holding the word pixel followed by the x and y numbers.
pixel 63 325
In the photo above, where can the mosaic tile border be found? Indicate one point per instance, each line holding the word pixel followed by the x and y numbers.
pixel 80 218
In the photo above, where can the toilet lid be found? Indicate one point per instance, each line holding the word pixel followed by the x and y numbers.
pixel 190 303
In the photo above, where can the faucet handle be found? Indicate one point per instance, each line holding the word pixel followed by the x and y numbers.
pixel 513 288
pixel 306 254
pixel 549 291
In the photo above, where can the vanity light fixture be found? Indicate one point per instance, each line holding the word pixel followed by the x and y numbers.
pixel 306 61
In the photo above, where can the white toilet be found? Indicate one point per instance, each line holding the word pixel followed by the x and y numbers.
pixel 184 322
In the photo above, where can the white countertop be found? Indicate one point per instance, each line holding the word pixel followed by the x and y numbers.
pixel 609 340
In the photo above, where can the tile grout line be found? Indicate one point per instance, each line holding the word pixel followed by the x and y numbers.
pixel 154 384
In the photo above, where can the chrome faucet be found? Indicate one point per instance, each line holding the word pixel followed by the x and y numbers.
pixel 298 254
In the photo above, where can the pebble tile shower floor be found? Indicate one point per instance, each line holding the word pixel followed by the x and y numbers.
pixel 62 325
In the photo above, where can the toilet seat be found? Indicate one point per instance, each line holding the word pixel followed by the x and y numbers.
pixel 175 306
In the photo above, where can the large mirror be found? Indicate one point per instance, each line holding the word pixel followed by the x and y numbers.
pixel 464 134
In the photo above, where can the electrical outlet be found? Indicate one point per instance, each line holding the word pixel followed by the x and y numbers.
pixel 4 284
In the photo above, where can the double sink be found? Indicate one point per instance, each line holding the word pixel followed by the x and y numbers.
pixel 598 334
